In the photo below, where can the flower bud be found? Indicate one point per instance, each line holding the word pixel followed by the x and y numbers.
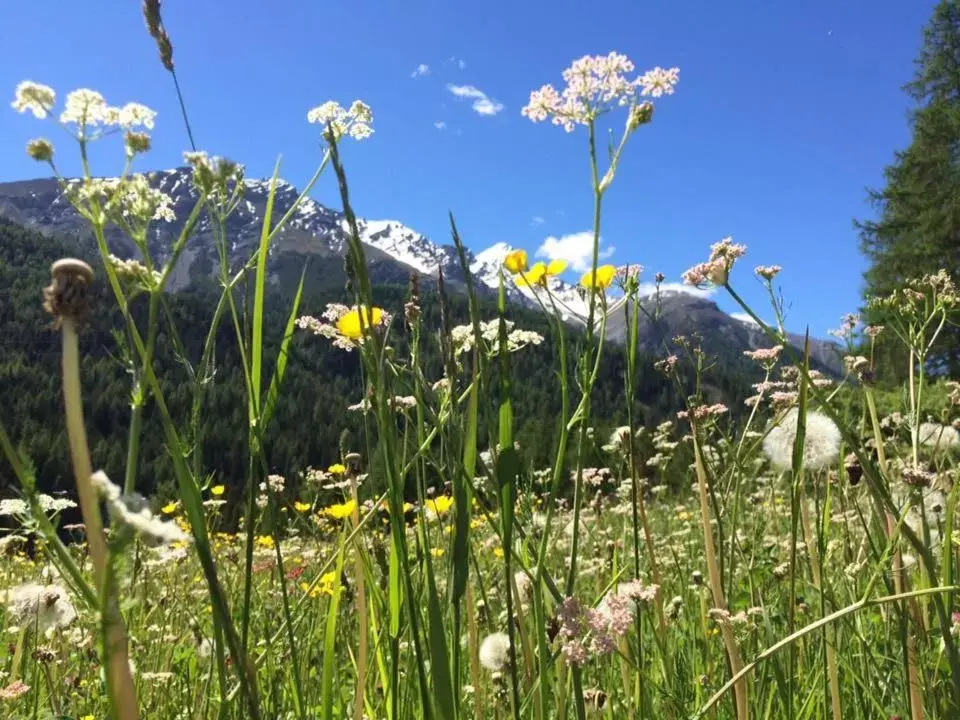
pixel 40 150
pixel 639 115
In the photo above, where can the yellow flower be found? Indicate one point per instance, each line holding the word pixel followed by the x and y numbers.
pixel 439 506
pixel 87 717
pixel 349 324
pixel 265 541
pixel 336 469
pixel 437 551
pixel 533 276
pixel 538 274
pixel 600 281
pixel 169 508
pixel 341 511
pixel 498 552
pixel 516 261
pixel 218 490
pixel 301 506
pixel 328 582
pixel 556 267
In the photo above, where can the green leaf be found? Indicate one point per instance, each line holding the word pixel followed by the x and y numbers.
pixel 274 392
pixel 329 646
pixel 259 295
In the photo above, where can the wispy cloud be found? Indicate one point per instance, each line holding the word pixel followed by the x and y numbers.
pixel 440 125
pixel 576 249
pixel 536 220
pixel 482 104
pixel 459 62
pixel 421 70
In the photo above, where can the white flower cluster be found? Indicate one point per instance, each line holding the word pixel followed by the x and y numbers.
pixel 131 198
pixel 133 511
pixel 463 337
pixel 357 121
pixel 36 98
pixel 18 507
pixel 596 84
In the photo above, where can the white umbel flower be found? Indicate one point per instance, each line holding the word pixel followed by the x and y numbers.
pixel 34 97
pixel 821 444
pixel 495 651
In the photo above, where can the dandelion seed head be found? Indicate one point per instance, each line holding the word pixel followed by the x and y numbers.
pixel 495 651
pixel 821 443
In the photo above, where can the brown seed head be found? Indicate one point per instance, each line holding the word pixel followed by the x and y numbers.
pixel 66 296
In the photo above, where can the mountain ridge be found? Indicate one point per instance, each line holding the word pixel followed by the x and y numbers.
pixel 393 249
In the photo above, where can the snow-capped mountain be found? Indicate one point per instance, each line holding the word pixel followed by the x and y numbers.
pixel 393 251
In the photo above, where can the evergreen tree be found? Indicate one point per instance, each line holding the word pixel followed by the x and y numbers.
pixel 918 230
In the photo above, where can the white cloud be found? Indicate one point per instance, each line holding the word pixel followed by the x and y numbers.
pixel 440 125
pixel 462 64
pixel 536 220
pixel 482 103
pixel 649 288
pixel 421 70
pixel 576 249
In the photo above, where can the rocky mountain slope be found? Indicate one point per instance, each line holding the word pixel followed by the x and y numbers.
pixel 317 234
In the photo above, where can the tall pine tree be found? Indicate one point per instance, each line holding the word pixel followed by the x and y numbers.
pixel 918 230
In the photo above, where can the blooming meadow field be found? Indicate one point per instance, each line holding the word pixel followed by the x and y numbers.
pixel 791 559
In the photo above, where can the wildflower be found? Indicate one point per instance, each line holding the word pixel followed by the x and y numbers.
pixel 516 261
pixel 918 477
pixel 439 506
pixel 40 150
pixel 716 270
pixel 495 651
pixel 134 115
pixel 265 541
pixel 596 85
pixel 17 688
pixel 301 506
pixel 350 324
pixel 357 121
pixel 87 108
pixel 45 607
pixel 658 82
pixel 16 506
pixel 848 323
pixel 341 510
pixel 34 97
pixel 599 280
pixel 218 490
pixel 169 509
pixel 336 469
pixel 767 272
pixel 939 436
pixel 821 442
pixel 765 355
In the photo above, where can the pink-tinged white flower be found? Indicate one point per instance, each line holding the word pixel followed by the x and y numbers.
pixel 767 272
pixel 716 270
pixel 848 324
pixel 36 98
pixel 659 82
pixel 595 85
pixel 765 355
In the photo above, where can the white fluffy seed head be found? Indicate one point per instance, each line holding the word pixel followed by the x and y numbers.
pixel 495 651
pixel 821 443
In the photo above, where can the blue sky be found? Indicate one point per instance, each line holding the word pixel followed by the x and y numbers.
pixel 785 113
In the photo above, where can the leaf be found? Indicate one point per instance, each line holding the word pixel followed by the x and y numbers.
pixel 259 295
pixel 278 372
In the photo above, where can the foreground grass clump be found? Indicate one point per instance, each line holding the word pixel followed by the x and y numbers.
pixel 793 560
